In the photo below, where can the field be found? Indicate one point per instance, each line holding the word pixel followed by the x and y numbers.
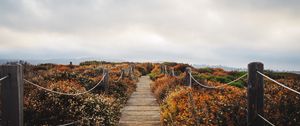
pixel 97 107
pixel 180 104
pixel 224 106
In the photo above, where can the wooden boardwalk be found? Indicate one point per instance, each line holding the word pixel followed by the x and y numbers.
pixel 142 108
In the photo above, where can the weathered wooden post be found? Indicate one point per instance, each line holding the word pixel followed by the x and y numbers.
pixel 162 70
pixel 166 69
pixel 172 72
pixel 71 65
pixel 130 73
pixel 149 67
pixel 255 94
pixel 12 95
pixel 106 79
pixel 132 68
pixel 123 73
pixel 188 80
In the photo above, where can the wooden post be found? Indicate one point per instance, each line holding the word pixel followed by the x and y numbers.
pixel 123 72
pixel 71 65
pixel 132 68
pixel 130 73
pixel 255 94
pixel 162 70
pixel 166 69
pixel 187 77
pixel 149 67
pixel 106 79
pixel 172 72
pixel 12 95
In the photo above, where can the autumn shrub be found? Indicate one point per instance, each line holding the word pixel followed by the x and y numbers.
pixel 46 108
pixel 122 90
pixel 213 107
pixel 180 67
pixel 94 108
pixel 226 105
pixel 205 70
pixel 155 72
pixel 144 68
pixel 53 109
pixel 282 107
pixel 163 85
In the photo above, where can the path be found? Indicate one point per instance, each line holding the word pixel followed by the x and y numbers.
pixel 142 108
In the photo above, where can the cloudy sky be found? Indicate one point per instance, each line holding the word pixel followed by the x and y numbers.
pixel 226 32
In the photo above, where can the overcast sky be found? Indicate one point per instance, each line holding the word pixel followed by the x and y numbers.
pixel 226 32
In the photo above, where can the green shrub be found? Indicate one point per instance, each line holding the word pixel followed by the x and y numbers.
pixel 200 78
pixel 170 63
pixel 222 79
pixel 238 84
pixel 152 76
pixel 205 70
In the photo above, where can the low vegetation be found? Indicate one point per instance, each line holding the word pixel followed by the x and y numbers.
pixel 94 108
pixel 181 105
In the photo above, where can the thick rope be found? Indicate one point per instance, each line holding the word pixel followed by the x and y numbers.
pixel 210 87
pixel 119 77
pixel 71 123
pixel 3 78
pixel 213 87
pixel 238 78
pixel 61 93
pixel 278 83
pixel 266 120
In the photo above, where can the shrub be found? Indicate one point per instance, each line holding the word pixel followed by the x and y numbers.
pixel 238 84
pixel 213 107
pixel 45 108
pixel 205 70
pixel 163 85
pixel 152 76
pixel 93 108
pixel 222 79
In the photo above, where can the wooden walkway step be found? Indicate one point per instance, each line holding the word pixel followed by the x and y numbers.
pixel 142 108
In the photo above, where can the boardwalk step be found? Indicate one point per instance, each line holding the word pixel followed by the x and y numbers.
pixel 142 108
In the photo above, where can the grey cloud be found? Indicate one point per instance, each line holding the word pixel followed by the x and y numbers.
pixel 198 31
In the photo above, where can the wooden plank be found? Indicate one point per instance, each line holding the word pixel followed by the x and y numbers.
pixel 142 108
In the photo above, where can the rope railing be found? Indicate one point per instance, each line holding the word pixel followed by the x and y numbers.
pixel 71 123
pixel 210 87
pixel 121 76
pixel 3 78
pixel 265 120
pixel 238 78
pixel 282 85
pixel 214 87
pixel 62 93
